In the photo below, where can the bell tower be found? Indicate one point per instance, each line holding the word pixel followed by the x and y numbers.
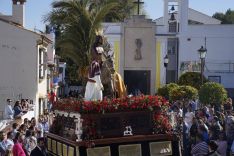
pixel 18 11
pixel 176 15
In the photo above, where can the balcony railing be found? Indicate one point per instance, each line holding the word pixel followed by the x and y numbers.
pixel 210 66
pixel 220 67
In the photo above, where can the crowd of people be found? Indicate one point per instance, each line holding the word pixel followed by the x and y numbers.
pixel 19 108
pixel 207 131
pixel 26 139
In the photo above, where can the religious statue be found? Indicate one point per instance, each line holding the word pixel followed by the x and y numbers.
pixel 102 67
pixel 94 87
pixel 119 87
pixel 138 49
pixel 111 79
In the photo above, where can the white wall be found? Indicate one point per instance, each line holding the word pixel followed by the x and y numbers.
pixel 219 40
pixel 19 65
pixel 219 44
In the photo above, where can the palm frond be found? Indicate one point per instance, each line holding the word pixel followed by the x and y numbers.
pixel 98 18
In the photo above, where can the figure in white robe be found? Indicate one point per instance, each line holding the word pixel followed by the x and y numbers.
pixel 94 87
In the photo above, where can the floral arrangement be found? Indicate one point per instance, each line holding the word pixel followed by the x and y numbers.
pixel 161 124
pixel 157 105
pixel 142 102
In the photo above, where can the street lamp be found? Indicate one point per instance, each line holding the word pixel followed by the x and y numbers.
pixel 202 54
pixel 166 61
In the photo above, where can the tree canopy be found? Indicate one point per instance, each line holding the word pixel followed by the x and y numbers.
pixel 227 18
pixel 183 93
pixel 165 90
pixel 191 79
pixel 212 93
pixel 76 23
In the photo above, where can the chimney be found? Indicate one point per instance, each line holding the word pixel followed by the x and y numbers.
pixel 18 12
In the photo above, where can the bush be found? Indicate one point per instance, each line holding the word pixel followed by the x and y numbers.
pixel 212 93
pixel 183 93
pixel 191 79
pixel 164 91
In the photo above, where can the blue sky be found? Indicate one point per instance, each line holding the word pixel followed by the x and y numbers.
pixel 35 9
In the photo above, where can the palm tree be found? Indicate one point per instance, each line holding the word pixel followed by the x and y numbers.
pixel 77 21
pixel 124 10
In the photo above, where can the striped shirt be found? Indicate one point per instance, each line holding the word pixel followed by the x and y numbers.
pixel 200 149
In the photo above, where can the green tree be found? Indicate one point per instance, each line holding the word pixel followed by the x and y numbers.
pixel 76 22
pixel 165 90
pixel 227 18
pixel 183 93
pixel 212 93
pixel 72 73
pixel 191 79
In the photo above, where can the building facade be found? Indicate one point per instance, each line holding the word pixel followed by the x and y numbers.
pixel 23 61
pixel 178 34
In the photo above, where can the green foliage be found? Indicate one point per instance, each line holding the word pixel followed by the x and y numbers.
pixel 76 23
pixel 164 91
pixel 121 12
pixel 71 73
pixel 212 93
pixel 191 79
pixel 227 18
pixel 183 93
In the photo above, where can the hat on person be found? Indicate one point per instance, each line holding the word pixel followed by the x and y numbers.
pixel 9 100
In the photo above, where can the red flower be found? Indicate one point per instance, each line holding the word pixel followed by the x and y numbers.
pixel 141 102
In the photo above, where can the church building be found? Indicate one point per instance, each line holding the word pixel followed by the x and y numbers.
pixel 141 46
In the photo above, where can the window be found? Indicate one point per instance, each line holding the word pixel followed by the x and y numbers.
pixel 41 75
pixel 172 46
pixel 173 27
pixel 42 63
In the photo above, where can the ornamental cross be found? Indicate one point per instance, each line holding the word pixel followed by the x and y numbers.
pixel 138 2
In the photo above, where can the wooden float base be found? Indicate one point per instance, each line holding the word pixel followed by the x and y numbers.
pixel 138 145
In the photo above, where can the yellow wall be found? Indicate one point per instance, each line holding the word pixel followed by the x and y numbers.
pixel 158 64
pixel 116 53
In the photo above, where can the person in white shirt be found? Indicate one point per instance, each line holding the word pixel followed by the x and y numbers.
pixel 39 127
pixel 10 138
pixel 9 113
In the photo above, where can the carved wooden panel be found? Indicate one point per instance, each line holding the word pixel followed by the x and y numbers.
pixel 160 148
pixel 99 151
pixel 113 124
pixel 130 150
